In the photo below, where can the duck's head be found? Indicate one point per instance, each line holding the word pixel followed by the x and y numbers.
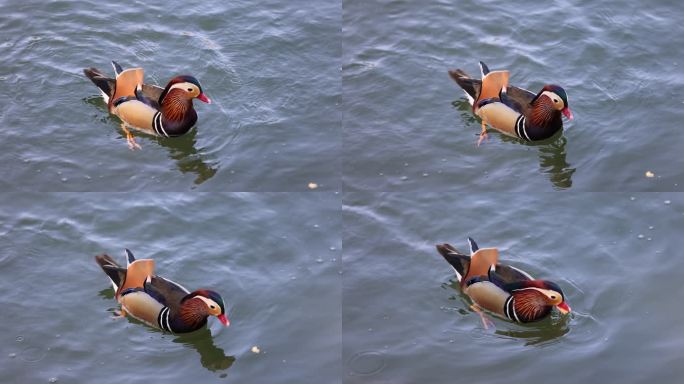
pixel 557 97
pixel 554 296
pixel 211 304
pixel 188 87
pixel 535 298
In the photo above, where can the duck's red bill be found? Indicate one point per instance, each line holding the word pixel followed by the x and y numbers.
pixel 207 100
pixel 223 319
pixel 564 308
pixel 566 111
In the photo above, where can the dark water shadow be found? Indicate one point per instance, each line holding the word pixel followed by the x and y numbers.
pixel 183 150
pixel 548 331
pixel 188 157
pixel 552 158
pixel 212 357
pixel 552 153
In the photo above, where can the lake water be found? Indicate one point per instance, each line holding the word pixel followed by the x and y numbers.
pixel 616 257
pixel 408 126
pixel 271 69
pixel 275 259
pixel 336 153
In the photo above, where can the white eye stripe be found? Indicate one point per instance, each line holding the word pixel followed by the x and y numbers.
pixel 546 292
pixel 184 86
pixel 209 302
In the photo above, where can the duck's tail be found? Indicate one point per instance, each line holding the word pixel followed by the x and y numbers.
pixel 115 272
pixel 471 87
pixel 456 259
pixel 104 83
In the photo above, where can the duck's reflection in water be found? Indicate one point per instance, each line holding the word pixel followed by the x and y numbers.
pixel 552 159
pixel 188 157
pixel 545 332
pixel 212 357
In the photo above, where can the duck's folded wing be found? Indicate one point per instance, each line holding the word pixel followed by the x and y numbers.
pixel 518 99
pixel 127 81
pixel 504 276
pixel 136 273
pixel 152 92
pixel 142 97
pixel 492 84
pixel 165 291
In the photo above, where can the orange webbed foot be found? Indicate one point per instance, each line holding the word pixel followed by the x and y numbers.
pixel 486 322
pixel 483 135
pixel 119 313
pixel 132 144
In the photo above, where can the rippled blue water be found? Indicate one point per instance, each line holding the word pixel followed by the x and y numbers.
pixel 350 98
pixel 275 259
pixel 271 69
pixel 616 257
pixel 408 127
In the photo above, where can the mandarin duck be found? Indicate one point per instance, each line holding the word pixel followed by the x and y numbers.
pixel 159 302
pixel 513 111
pixel 165 112
pixel 502 289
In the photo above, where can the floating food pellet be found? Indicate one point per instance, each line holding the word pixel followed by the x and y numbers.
pixel 650 174
pixel 255 349
pixel 313 185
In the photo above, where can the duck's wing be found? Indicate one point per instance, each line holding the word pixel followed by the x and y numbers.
pixel 518 99
pixel 165 291
pixel 480 262
pixel 140 95
pixel 127 81
pixel 506 276
pixel 152 92
pixel 475 89
pixel 136 274
pixel 492 84
pixel 107 85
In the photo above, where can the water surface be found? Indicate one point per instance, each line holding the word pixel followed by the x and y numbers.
pixel 271 69
pixel 617 258
pixel 275 259
pixel 407 125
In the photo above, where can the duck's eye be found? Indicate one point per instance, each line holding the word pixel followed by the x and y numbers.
pixel 553 297
pixel 190 90
pixel 212 307
pixel 554 100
